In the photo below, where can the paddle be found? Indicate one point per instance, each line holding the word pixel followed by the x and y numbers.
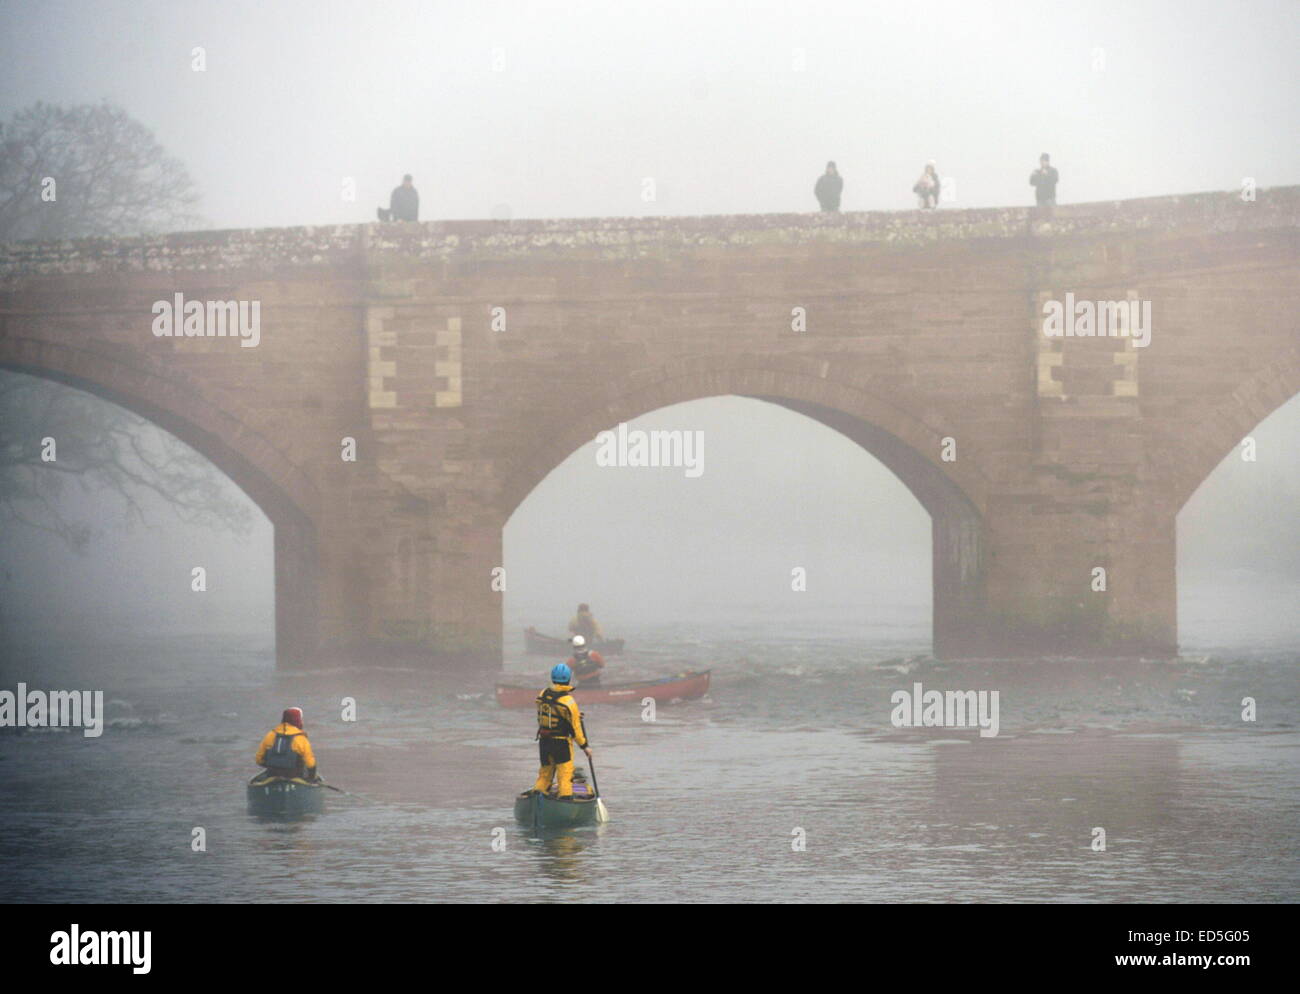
pixel 319 783
pixel 347 793
pixel 602 813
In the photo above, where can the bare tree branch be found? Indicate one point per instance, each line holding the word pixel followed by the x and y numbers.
pixel 111 176
pixel 110 453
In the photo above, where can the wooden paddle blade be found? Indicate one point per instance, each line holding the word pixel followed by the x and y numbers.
pixel 602 812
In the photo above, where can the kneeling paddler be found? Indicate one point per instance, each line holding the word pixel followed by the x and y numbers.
pixel 559 724
pixel 285 752
pixel 585 663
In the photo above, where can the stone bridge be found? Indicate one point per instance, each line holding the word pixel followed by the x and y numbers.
pixel 467 359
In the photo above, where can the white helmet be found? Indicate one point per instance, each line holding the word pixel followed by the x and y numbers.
pixel 579 642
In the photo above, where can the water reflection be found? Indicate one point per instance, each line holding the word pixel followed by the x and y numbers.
pixel 558 853
pixel 290 841
pixel 1058 785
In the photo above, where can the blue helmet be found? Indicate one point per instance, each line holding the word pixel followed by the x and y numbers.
pixel 560 673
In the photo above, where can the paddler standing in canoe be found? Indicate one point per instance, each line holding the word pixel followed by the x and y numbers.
pixel 585 663
pixel 285 752
pixel 558 722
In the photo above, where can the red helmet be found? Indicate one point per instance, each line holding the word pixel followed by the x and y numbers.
pixel 292 716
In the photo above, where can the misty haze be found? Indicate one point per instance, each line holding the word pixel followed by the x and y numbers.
pixel 818 242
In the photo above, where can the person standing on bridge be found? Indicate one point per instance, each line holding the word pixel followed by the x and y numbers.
pixel 1043 180
pixel 830 185
pixel 403 203
pixel 927 187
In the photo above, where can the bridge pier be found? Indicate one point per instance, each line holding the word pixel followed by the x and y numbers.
pixel 1067 583
pixel 424 585
pixel 408 580
pixel 297 592
pixel 1002 589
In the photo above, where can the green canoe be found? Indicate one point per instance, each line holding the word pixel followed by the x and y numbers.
pixel 548 811
pixel 284 797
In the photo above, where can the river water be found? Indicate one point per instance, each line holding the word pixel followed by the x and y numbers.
pixel 708 801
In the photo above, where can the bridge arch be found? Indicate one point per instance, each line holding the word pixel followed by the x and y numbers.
pixel 1222 428
pixel 954 493
pixel 180 406
pixel 1209 599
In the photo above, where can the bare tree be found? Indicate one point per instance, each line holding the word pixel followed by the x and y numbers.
pixel 91 169
pixel 105 450
pixel 71 172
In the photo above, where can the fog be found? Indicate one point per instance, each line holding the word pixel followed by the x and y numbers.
pixel 780 491
pixel 1239 544
pixel 512 110
pixel 730 108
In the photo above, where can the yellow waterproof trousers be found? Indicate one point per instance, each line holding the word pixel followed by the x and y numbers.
pixel 557 759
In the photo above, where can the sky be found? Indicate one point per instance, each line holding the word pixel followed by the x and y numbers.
pixel 564 110
pixel 559 110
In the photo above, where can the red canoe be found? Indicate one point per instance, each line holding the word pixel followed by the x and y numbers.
pixel 681 687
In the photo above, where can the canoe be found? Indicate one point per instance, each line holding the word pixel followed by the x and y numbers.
pixel 537 644
pixel 548 811
pixel 284 797
pixel 682 687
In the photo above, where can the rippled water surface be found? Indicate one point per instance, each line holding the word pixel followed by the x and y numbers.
pixel 705 801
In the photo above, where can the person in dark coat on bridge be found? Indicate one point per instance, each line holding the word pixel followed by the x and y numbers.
pixel 1043 180
pixel 927 187
pixel 830 185
pixel 404 204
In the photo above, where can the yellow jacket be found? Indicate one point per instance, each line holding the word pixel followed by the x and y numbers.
pixel 300 745
pixel 586 625
pixel 557 709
